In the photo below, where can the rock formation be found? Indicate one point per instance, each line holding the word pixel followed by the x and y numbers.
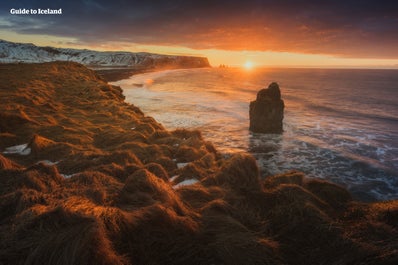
pixel 266 112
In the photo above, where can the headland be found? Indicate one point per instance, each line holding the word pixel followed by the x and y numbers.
pixel 89 179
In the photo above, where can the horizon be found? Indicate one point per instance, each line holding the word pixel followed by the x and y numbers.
pixel 242 66
pixel 308 34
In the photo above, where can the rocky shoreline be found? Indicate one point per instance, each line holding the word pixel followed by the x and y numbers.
pixel 91 179
pixel 112 75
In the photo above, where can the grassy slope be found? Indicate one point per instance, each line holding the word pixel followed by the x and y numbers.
pixel 119 206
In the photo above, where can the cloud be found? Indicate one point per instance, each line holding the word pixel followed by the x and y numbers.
pixel 346 28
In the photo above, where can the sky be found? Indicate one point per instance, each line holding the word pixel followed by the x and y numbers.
pixel 306 33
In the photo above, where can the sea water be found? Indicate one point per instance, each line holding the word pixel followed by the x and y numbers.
pixel 339 124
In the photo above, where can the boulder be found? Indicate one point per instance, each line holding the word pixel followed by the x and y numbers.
pixel 266 112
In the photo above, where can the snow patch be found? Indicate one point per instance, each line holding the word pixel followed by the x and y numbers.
pixel 48 162
pixel 186 182
pixel 67 176
pixel 181 165
pixel 21 149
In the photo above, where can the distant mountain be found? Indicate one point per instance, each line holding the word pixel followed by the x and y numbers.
pixel 11 52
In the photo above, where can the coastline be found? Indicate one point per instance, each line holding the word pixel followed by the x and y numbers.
pixel 114 74
pixel 315 139
pixel 107 196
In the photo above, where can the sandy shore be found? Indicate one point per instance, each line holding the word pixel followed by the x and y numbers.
pixel 89 179
pixel 115 74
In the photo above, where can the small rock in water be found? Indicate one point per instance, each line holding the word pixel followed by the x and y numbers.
pixel 266 112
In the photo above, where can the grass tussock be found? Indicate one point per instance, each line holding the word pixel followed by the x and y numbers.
pixel 6 164
pixel 7 139
pixel 238 173
pixel 144 188
pixel 42 148
pixel 95 189
pixel 226 247
pixel 158 171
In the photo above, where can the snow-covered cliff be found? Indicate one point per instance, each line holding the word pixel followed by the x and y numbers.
pixel 26 52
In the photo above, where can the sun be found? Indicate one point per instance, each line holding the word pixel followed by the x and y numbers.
pixel 248 65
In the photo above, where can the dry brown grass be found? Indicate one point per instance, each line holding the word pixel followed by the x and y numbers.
pixel 120 208
pixel 7 163
pixel 239 173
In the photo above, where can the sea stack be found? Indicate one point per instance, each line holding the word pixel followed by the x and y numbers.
pixel 266 112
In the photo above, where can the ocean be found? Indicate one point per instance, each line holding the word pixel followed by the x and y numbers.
pixel 340 124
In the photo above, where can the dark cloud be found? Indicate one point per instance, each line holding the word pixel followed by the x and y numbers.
pixel 347 28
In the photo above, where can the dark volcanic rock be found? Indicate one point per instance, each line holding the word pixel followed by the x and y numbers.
pixel 266 112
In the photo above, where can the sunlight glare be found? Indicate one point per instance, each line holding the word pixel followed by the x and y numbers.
pixel 248 65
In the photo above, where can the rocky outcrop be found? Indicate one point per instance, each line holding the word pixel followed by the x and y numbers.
pixel 266 112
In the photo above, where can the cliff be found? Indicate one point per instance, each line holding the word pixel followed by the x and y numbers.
pixel 86 178
pixel 11 52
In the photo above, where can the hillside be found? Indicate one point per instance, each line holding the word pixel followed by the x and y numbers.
pixel 86 178
pixel 11 52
